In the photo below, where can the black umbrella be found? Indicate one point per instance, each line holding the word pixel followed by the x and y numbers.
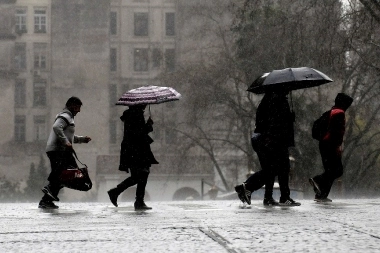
pixel 289 79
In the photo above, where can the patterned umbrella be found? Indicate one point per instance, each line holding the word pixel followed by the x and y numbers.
pixel 149 95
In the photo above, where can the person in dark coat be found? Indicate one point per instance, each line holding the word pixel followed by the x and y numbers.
pixel 136 156
pixel 330 148
pixel 274 123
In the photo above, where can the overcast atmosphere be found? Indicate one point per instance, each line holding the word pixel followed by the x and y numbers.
pixel 191 75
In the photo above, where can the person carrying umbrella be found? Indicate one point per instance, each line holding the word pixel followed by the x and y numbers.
pixel 274 132
pixel 274 124
pixel 330 147
pixel 136 156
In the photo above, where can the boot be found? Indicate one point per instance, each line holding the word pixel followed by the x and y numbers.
pixel 113 194
pixel 140 205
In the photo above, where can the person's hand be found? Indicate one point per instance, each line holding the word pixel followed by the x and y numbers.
pixel 150 121
pixel 87 139
pixel 69 145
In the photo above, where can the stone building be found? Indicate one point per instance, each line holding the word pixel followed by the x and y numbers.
pixel 96 50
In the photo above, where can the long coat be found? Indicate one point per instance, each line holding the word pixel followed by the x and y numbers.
pixel 135 148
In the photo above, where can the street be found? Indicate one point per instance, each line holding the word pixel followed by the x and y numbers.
pixel 345 225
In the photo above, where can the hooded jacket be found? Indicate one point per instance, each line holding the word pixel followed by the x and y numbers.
pixel 337 120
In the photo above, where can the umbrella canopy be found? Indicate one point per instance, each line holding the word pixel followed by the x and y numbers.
pixel 148 95
pixel 289 79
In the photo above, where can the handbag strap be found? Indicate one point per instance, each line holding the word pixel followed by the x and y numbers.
pixel 75 154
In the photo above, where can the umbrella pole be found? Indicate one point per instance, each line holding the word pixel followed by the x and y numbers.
pixel 291 107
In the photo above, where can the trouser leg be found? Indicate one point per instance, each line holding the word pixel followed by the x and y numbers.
pixel 141 184
pixel 333 169
pixel 269 188
pixel 283 173
pixel 266 175
pixel 59 160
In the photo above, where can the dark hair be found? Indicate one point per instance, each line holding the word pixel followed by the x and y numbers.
pixel 73 101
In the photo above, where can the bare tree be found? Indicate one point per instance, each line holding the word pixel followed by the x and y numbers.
pixel 244 39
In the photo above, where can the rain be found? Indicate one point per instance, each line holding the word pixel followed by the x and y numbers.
pixel 210 53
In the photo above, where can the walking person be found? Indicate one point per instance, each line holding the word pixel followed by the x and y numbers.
pixel 330 147
pixel 60 151
pixel 136 156
pixel 274 123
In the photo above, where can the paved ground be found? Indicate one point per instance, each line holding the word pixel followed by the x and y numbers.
pixel 196 226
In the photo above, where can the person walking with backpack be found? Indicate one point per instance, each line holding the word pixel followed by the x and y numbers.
pixel 274 125
pixel 60 151
pixel 330 147
pixel 136 156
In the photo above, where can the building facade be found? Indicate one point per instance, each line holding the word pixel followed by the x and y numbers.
pixel 96 50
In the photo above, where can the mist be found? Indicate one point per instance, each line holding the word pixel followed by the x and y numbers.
pixel 210 52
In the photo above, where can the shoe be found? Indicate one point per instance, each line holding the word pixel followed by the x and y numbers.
pixel 270 202
pixel 140 205
pixel 47 205
pixel 322 200
pixel 316 187
pixel 289 202
pixel 113 194
pixel 243 194
pixel 48 192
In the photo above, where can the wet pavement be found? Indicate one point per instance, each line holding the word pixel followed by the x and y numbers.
pixel 345 225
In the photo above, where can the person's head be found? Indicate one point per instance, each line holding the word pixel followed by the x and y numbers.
pixel 343 101
pixel 73 104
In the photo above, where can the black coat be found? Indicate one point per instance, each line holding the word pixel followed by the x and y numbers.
pixel 135 148
pixel 274 121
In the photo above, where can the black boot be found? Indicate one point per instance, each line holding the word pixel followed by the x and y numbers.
pixel 113 194
pixel 140 205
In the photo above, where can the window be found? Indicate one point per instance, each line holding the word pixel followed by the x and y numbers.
pixel 170 59
pixel 39 93
pixel 20 93
pixel 141 24
pixel 113 132
pixel 170 24
pixel 21 21
pixel 113 59
pixel 40 55
pixel 141 59
pixel 20 56
pixel 20 128
pixel 113 23
pixel 39 128
pixel 156 58
pixel 40 21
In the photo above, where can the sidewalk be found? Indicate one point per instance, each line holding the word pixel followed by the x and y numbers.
pixel 195 226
